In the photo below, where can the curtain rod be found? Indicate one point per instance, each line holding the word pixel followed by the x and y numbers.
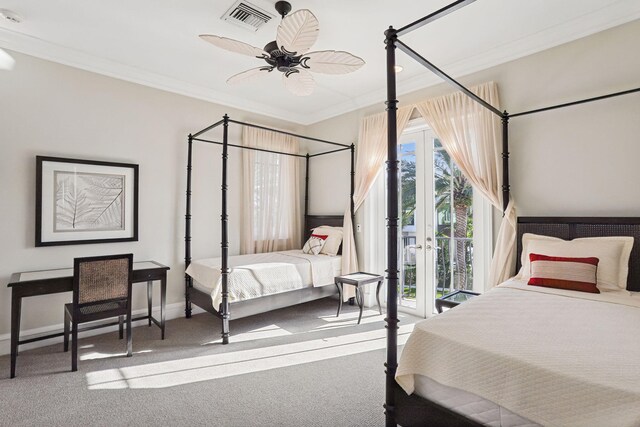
pixel 582 101
pixel 415 55
pixel 433 16
pixel 287 133
pixel 251 148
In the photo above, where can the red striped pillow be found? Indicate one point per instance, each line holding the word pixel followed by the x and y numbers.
pixel 576 274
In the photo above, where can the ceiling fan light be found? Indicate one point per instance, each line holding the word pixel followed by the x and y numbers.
pixel 6 61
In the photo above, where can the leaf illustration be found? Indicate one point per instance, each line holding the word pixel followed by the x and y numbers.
pixel 87 201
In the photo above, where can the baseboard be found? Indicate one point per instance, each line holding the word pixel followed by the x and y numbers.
pixel 172 311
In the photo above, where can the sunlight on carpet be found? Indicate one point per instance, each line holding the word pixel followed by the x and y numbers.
pixel 270 331
pixel 350 319
pixel 190 370
pixel 97 355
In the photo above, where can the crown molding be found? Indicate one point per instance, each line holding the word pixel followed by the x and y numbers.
pixel 43 49
pixel 555 36
pixel 582 26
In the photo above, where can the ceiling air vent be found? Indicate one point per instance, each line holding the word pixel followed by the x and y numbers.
pixel 247 15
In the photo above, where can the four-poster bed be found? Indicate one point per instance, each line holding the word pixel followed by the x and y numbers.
pixel 404 409
pixel 201 296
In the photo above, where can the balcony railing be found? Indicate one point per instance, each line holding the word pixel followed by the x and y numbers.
pixel 445 268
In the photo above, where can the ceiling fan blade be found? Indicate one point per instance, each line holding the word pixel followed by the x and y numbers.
pixel 249 75
pixel 300 83
pixel 297 32
pixel 331 62
pixel 233 45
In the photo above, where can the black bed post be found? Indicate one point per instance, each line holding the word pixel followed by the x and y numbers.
pixel 392 230
pixel 505 162
pixel 352 206
pixel 306 196
pixel 187 232
pixel 225 238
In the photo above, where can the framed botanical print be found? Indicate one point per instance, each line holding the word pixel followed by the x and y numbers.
pixel 85 201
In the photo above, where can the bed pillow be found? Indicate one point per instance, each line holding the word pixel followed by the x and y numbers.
pixel 314 244
pixel 575 274
pixel 612 251
pixel 334 239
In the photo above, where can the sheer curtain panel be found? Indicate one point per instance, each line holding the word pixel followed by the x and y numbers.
pixel 472 136
pixel 271 193
pixel 371 153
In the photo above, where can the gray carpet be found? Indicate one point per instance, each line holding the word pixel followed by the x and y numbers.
pixel 298 366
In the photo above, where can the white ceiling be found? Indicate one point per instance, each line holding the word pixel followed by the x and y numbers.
pixel 155 43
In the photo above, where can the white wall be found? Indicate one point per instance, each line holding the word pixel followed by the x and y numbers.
pixel 50 109
pixel 581 160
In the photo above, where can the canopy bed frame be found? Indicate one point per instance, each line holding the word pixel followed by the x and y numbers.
pixel 414 410
pixel 270 302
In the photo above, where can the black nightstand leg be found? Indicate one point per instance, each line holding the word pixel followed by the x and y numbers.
pixel 339 286
pixel 360 300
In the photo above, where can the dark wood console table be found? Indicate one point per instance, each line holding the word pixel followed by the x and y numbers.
pixel 33 283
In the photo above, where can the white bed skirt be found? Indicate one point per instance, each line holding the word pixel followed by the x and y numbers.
pixel 256 275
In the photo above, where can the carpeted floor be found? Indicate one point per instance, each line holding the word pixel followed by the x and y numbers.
pixel 298 366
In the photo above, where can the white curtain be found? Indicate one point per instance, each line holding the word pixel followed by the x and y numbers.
pixel 472 135
pixel 371 153
pixel 271 193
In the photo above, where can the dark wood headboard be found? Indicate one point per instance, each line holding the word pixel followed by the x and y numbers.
pixel 313 221
pixel 575 227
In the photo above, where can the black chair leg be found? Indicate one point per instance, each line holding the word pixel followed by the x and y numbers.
pixel 129 337
pixel 74 345
pixel 66 330
pixel 121 326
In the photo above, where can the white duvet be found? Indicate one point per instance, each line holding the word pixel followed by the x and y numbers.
pixel 256 275
pixel 558 358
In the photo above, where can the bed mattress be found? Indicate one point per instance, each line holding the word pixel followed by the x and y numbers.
pixel 557 358
pixel 256 275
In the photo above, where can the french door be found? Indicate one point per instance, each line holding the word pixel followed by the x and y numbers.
pixel 415 227
pixel 443 225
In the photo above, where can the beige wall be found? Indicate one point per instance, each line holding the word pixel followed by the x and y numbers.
pixel 581 160
pixel 51 109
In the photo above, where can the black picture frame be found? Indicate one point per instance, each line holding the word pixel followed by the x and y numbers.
pixel 99 183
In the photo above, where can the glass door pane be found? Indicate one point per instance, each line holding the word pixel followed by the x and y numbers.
pixel 407 209
pixel 453 217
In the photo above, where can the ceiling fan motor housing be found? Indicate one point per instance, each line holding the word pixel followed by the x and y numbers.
pixel 279 59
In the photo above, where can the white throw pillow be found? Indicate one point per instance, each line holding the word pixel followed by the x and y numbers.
pixel 314 244
pixel 334 239
pixel 612 252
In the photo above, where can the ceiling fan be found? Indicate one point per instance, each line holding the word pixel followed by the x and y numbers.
pixel 288 54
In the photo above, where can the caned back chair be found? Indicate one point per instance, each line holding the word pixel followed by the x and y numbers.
pixel 101 290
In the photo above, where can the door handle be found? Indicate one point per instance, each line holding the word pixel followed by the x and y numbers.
pixel 418 246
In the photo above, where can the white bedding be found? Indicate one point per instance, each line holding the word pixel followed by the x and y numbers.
pixel 257 275
pixel 557 358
